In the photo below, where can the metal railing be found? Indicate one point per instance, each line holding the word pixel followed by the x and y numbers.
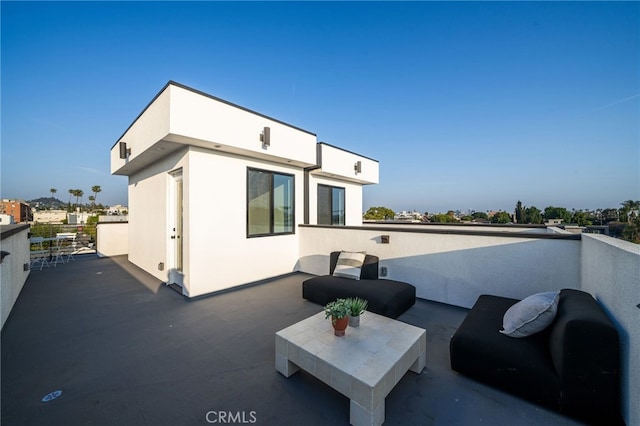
pixel 85 233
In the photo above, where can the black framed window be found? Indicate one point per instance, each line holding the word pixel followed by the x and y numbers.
pixel 270 203
pixel 331 209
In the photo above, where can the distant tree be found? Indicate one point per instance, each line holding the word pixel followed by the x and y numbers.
pixel 629 210
pixel 80 194
pixel 551 212
pixel 519 212
pixel 479 215
pixel 93 201
pixel 379 213
pixel 53 191
pixel 95 189
pixel 501 217
pixel 632 231
pixel 581 218
pixel 443 218
pixel 466 218
pixel 532 215
pixel 610 215
pixel 92 220
pixel 71 192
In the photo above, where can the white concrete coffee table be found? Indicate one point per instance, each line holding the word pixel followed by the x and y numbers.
pixel 364 365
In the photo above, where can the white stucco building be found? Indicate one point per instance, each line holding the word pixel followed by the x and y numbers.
pixel 191 158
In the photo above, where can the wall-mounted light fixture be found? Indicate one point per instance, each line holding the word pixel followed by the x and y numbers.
pixel 358 167
pixel 265 137
pixel 384 239
pixel 124 151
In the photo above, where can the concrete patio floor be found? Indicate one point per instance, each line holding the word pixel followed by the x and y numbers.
pixel 126 350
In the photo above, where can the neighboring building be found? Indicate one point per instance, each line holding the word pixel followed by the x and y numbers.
pixel 113 218
pixel 78 218
pixel 20 210
pixel 6 219
pixel 191 158
pixel 405 216
pixel 117 210
pixel 49 216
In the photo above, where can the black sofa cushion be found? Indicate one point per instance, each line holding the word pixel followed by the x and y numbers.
pixel 584 348
pixel 385 297
pixel 572 366
pixel 480 351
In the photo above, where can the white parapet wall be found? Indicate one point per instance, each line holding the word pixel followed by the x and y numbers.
pixel 15 241
pixel 611 273
pixel 453 268
pixel 112 238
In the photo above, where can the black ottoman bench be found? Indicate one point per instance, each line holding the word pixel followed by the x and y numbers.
pixel 386 297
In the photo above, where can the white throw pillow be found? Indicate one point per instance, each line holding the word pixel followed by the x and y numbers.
pixel 530 315
pixel 349 265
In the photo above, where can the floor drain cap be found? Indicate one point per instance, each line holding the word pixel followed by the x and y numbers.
pixel 53 395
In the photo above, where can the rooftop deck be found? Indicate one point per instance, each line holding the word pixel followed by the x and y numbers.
pixel 125 349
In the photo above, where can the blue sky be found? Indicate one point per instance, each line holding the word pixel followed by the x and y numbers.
pixel 467 105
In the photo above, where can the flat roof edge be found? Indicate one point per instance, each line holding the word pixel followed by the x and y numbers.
pixel 201 93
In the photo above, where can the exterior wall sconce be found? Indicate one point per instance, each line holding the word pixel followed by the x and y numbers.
pixel 358 167
pixel 4 253
pixel 384 239
pixel 265 137
pixel 124 151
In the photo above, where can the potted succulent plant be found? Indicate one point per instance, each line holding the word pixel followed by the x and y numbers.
pixel 356 307
pixel 339 313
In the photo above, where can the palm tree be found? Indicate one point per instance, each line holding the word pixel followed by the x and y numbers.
pixel 93 202
pixel 71 192
pixel 80 194
pixel 77 193
pixel 95 189
pixel 53 191
pixel 629 209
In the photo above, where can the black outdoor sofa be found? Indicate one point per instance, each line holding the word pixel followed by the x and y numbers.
pixel 386 297
pixel 572 366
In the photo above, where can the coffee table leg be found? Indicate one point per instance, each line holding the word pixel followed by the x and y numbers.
pixel 360 416
pixel 421 362
pixel 284 366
